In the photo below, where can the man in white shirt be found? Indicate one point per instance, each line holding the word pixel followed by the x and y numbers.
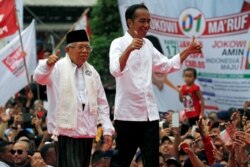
pixel 132 59
pixel 75 100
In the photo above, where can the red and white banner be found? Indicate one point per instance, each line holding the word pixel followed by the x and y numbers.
pixel 193 19
pixel 8 21
pixel 12 69
pixel 83 23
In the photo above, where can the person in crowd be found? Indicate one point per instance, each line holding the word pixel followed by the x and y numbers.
pixel 193 158
pixel 48 153
pixel 20 152
pixel 22 138
pixel 167 148
pixel 4 119
pixel 17 125
pixel 162 162
pixel 173 163
pixel 183 156
pixel 6 159
pixel 214 129
pixel 76 98
pixel 36 160
pixel 200 151
pixel 190 95
pixel 212 117
pixel 132 60
pixel 98 159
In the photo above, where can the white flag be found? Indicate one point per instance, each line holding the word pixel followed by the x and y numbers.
pixel 83 23
pixel 12 70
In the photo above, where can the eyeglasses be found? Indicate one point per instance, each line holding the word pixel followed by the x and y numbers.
pixel 18 152
pixel 88 48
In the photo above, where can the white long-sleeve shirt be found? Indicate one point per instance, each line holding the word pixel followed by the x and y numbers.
pixel 86 120
pixel 134 100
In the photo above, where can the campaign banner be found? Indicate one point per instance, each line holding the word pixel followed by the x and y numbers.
pixel 8 21
pixel 19 15
pixel 12 68
pixel 222 28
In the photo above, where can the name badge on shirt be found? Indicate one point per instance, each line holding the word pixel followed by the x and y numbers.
pixel 88 72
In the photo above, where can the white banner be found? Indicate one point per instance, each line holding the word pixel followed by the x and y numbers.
pixel 12 69
pixel 83 23
pixel 222 28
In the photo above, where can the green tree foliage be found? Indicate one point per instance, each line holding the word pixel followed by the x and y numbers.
pixel 105 26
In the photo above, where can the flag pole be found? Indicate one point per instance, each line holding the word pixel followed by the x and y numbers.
pixel 63 39
pixel 24 59
pixel 71 28
pixel 23 52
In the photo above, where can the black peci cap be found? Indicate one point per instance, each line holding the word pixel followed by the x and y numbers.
pixel 77 36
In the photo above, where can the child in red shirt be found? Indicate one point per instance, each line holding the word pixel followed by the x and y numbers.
pixel 191 97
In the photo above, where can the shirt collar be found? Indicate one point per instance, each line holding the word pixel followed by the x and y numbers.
pixel 75 66
pixel 128 36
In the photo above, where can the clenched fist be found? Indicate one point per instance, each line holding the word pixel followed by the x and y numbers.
pixel 52 59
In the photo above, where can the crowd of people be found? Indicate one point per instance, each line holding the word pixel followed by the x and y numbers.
pixel 72 126
pixel 219 139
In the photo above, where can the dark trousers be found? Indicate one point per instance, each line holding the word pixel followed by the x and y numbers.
pixel 192 121
pixel 73 152
pixel 133 135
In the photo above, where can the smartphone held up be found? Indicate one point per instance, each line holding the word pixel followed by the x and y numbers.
pixel 175 119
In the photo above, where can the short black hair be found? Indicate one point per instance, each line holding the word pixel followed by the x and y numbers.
pixel 155 41
pixel 97 156
pixel 174 162
pixel 192 70
pixel 190 137
pixel 201 155
pixel 3 145
pixel 44 150
pixel 215 125
pixel 130 12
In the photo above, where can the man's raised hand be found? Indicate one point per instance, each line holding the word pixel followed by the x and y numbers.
pixel 195 46
pixel 52 59
pixel 137 41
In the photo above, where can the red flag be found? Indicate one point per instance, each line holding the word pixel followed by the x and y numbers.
pixel 83 23
pixel 8 23
pixel 245 6
pixel 87 24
